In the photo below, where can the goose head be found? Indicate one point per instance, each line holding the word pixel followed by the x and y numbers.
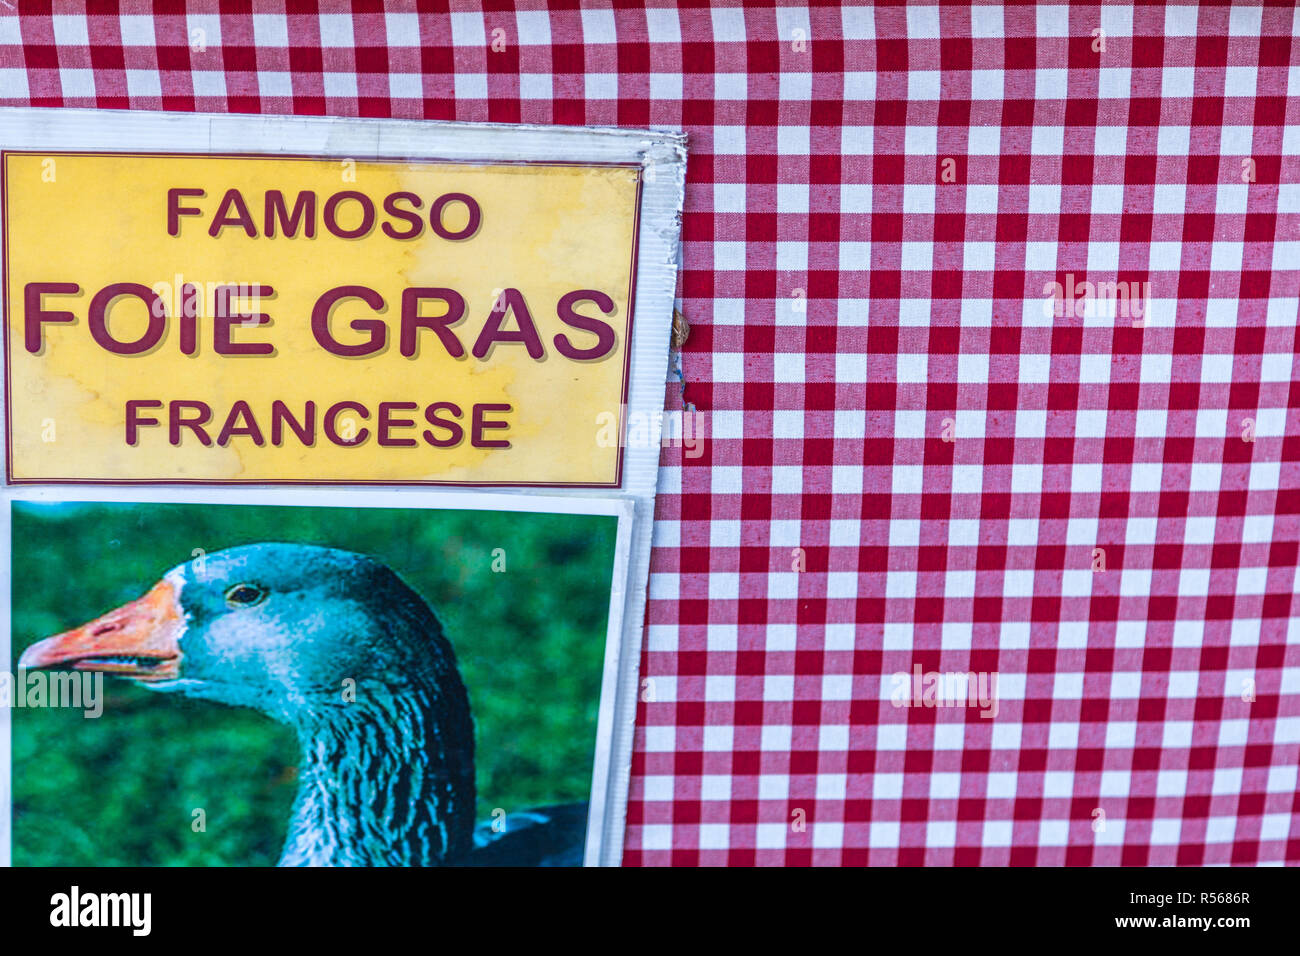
pixel 287 629
pixel 332 643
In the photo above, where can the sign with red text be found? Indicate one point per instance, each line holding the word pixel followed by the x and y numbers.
pixel 255 318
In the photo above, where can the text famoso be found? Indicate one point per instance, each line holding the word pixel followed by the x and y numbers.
pixel 403 218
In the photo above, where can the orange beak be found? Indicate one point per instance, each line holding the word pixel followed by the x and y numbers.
pixel 140 640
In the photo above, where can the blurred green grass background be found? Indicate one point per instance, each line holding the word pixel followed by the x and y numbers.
pixel 121 790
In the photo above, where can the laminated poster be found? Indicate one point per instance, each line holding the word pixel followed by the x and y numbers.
pixel 330 461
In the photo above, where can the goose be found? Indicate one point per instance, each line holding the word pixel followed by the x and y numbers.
pixel 335 645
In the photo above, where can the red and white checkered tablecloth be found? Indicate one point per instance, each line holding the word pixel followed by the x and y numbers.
pixel 877 202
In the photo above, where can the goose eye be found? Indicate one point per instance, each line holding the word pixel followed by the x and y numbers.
pixel 245 595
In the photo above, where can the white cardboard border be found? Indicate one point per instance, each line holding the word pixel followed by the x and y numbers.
pixel 662 156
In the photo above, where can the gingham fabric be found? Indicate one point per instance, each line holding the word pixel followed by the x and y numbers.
pixel 912 464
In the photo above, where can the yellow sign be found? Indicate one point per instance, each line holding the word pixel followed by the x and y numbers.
pixel 266 319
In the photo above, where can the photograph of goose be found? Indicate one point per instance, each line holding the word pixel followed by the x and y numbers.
pixel 309 686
